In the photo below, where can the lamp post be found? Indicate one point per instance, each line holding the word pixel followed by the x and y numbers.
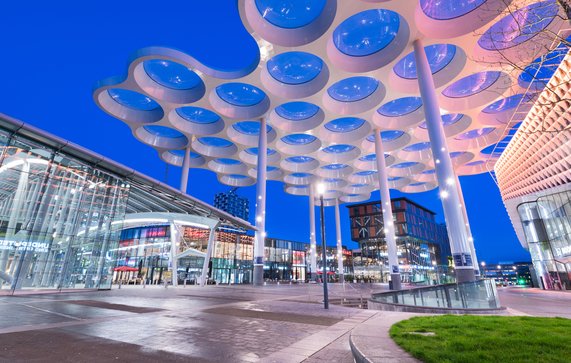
pixel 321 191
pixel 483 272
pixel 435 265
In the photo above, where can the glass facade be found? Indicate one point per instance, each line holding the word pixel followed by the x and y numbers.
pixel 547 227
pixel 56 216
pixel 422 244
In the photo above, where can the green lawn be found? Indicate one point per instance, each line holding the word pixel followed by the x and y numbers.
pixel 498 339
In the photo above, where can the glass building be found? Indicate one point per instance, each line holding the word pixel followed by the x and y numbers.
pixel 64 210
pixel 422 244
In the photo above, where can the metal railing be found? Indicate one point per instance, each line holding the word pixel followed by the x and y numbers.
pixel 481 294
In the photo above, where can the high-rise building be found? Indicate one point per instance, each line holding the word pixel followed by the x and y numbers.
pixel 534 175
pixel 233 204
pixel 421 242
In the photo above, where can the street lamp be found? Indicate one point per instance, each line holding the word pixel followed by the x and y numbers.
pixel 483 272
pixel 435 264
pixel 321 191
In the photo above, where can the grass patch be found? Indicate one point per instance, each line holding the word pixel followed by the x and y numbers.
pixel 466 338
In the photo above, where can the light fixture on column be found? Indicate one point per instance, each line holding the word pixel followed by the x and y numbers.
pixel 321 191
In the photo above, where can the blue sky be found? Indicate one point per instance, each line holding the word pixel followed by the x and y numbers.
pixel 54 53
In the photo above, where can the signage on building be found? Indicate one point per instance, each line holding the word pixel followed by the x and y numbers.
pixel 23 245
pixel 563 251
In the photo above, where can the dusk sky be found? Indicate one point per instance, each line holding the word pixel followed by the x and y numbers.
pixel 53 54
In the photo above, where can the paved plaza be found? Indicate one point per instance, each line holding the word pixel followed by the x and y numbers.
pixel 274 323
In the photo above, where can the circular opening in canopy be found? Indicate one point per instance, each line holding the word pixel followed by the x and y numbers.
pixel 171 74
pixel 471 84
pixel 338 149
pixel 162 131
pixel 226 161
pixel 294 67
pixel 214 141
pixel 254 151
pixel 299 159
pixel 240 94
pixel 472 134
pixel 367 32
pixel 400 106
pixel 197 115
pixel 475 163
pixel 405 165
pixel 334 166
pixel 353 89
pixel 249 127
pixel 344 124
pixel 290 14
pixel 506 103
pixel 447 120
pixel 297 111
pixel 299 139
pixel 132 99
pixel 389 135
pixel 438 55
pixel 180 153
pixel 448 9
pixel 418 147
pixel 519 26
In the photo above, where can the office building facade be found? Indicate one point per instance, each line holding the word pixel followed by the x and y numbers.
pixel 421 242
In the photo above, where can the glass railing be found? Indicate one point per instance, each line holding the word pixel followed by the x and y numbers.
pixel 479 294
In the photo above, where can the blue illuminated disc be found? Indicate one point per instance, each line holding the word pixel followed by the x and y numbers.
pixel 471 84
pixel 162 131
pixel 226 161
pixel 353 195
pixel 237 176
pixel 132 99
pixel 388 135
pixel 249 127
pixel 404 165
pixel 438 55
pixel 370 157
pixel 338 149
pixel 429 172
pixel 270 168
pixel 290 14
pixel 456 154
pixel 448 9
pixel 297 111
pixel 344 124
pixel 240 94
pixel 472 134
pixel 418 147
pixel 506 103
pixel 475 163
pixel 254 151
pixel 214 141
pixel 180 153
pixel 353 89
pixel 489 150
pixel 400 106
pixel 335 166
pixel 519 26
pixel 539 72
pixel 197 115
pixel 417 184
pixel 358 185
pixel 447 120
pixel 367 32
pixel 299 159
pixel 171 75
pixel 299 139
pixel 366 173
pixel 332 180
pixel 295 67
pixel 394 178
pixel 301 175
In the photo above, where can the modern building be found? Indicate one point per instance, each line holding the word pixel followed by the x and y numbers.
pixel 508 273
pixel 534 175
pixel 68 215
pixel 421 241
pixel 232 203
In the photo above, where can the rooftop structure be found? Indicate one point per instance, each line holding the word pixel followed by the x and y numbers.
pixel 354 94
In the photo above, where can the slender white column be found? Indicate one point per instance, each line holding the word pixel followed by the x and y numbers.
pixel 447 181
pixel 475 264
pixel 185 169
pixel 261 205
pixel 174 252
pixel 312 240
pixel 339 245
pixel 387 210
pixel 209 248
